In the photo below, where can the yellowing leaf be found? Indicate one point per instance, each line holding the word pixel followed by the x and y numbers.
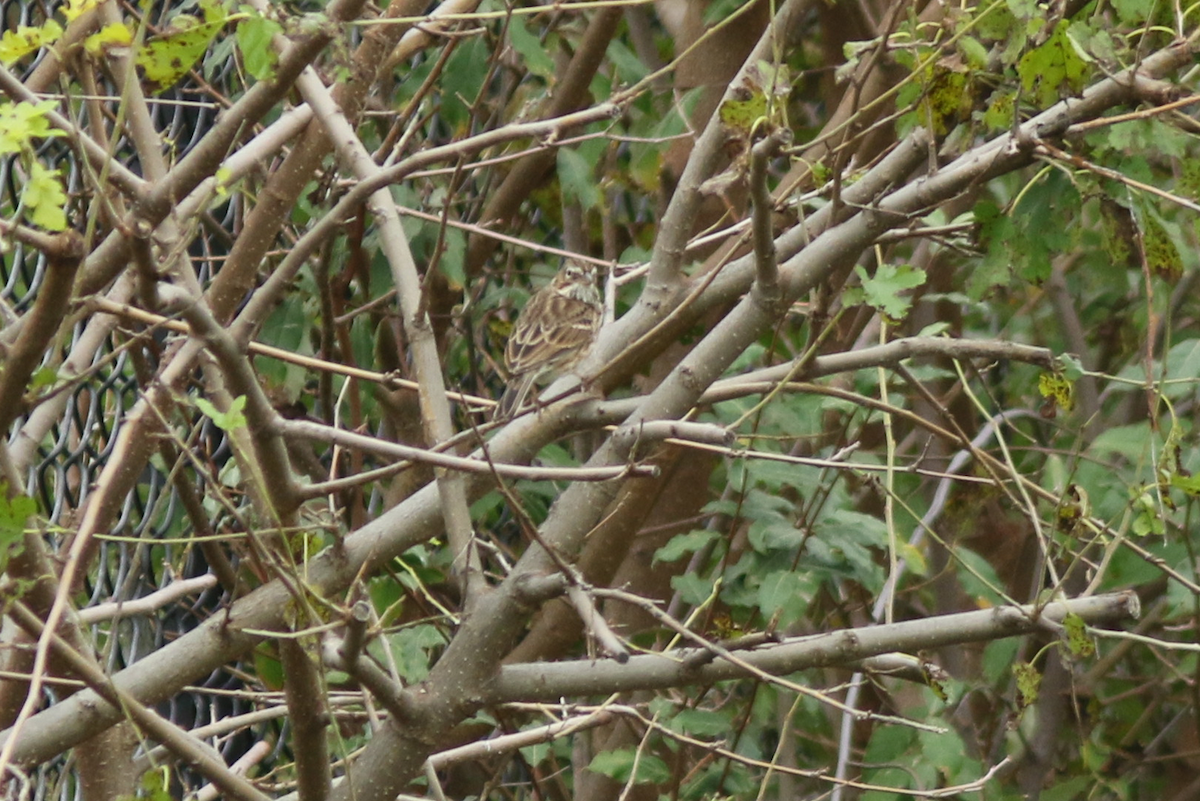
pixel 45 199
pixel 116 34
pixel 222 177
pixel 999 114
pixel 1058 389
pixel 1028 682
pixel 77 8
pixel 914 557
pixel 167 58
pixel 1077 637
pixel 760 97
pixel 15 45
pixel 1162 257
pixel 934 679
pixel 21 123
pixel 742 114
pixel 1118 227
pixel 1073 508
pixel 947 97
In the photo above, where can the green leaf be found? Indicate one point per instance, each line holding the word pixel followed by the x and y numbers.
pixel 882 290
pixel 1129 441
pixel 534 57
pixel 630 68
pixel 944 749
pixel 998 657
pixel 1072 368
pixel 847 542
pixel 156 784
pixel 412 646
pixel 773 533
pixel 978 578
pixel 1053 68
pixel 1070 788
pixel 996 232
pixel 1023 9
pixel 720 9
pixel 889 743
pixel 1133 12
pixel 578 179
pixel 995 25
pixel 464 76
pixel 254 41
pixel 700 722
pixel 645 158
pixel 974 52
pixel 619 766
pixel 534 754
pixel 267 667
pixel 787 592
pixel 681 545
pixel 226 421
pixel 1189 179
pixel 45 198
pixel 692 589
pixel 386 596
pixel 43 377
pixel 1023 242
pixel 1147 519
pixel 1187 482
pixel 14 516
pixel 452 262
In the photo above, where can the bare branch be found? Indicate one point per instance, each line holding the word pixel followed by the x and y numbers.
pixel 549 681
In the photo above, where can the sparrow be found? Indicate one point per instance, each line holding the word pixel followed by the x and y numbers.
pixel 553 333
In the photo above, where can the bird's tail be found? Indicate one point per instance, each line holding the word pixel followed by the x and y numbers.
pixel 516 394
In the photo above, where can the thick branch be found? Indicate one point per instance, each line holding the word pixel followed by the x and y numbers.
pixel 270 455
pixel 435 409
pixel 63 254
pixel 551 681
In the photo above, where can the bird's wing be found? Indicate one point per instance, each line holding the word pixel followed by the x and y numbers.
pixel 545 336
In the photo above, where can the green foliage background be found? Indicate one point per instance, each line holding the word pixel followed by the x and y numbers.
pixel 1090 251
